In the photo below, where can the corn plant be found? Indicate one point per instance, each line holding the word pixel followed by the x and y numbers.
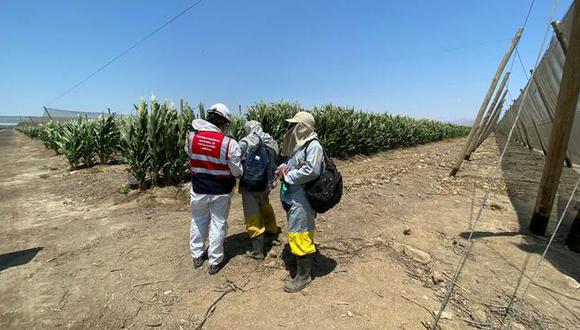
pixel 171 144
pixel 87 142
pixel 273 116
pixel 345 132
pixel 157 129
pixel 185 118
pixel 71 143
pixel 236 128
pixel 151 142
pixel 134 143
pixel 201 108
pixel 50 134
pixel 106 137
pixel 31 131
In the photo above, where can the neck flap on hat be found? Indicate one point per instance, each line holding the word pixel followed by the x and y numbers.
pixel 296 138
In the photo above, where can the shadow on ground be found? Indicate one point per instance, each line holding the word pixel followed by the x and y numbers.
pixel 238 244
pixel 235 245
pixel 18 258
pixel 322 265
pixel 522 171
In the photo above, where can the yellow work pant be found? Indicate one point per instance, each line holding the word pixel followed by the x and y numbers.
pixel 258 213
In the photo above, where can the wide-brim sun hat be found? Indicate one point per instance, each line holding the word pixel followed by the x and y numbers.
pixel 302 117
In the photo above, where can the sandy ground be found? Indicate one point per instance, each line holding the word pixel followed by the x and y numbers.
pixel 77 253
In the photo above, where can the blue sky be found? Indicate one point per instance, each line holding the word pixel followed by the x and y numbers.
pixel 432 59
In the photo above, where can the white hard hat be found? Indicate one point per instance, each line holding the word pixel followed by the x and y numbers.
pixel 222 110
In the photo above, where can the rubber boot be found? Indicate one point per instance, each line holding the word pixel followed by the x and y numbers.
pixel 302 278
pixel 257 248
pixel 273 239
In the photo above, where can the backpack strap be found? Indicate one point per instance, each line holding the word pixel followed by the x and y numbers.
pixel 260 143
pixel 305 147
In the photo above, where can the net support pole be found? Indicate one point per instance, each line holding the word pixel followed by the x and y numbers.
pixel 539 136
pixel 523 124
pixel 487 117
pixel 526 136
pixel 518 136
pixel 493 120
pixel 493 127
pixel 560 36
pixel 548 111
pixel 561 129
pixel 536 128
pixel 485 102
pixel 48 113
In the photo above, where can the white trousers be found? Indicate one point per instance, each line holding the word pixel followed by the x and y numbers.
pixel 209 215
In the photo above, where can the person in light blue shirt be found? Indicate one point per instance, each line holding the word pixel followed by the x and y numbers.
pixel 304 165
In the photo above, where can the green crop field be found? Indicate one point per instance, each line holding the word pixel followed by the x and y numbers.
pixel 151 142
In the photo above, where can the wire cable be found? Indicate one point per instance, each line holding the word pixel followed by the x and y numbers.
pixel 541 259
pixel 545 38
pixel 490 184
pixel 529 13
pixel 524 28
pixel 123 53
pixel 522 65
pixel 463 259
pixel 538 60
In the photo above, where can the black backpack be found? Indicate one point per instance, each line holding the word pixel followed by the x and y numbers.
pixel 324 192
pixel 256 166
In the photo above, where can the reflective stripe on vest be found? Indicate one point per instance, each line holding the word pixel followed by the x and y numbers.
pixel 209 154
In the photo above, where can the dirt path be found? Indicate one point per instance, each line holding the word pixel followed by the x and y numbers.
pixel 77 253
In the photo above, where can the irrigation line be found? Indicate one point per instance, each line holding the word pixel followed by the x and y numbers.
pixel 491 182
pixel 531 279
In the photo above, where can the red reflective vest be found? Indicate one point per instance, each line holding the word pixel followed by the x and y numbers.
pixel 210 154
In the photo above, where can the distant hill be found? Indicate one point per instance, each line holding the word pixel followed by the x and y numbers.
pixel 462 121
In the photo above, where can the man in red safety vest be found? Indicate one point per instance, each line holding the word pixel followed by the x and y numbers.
pixel 215 162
